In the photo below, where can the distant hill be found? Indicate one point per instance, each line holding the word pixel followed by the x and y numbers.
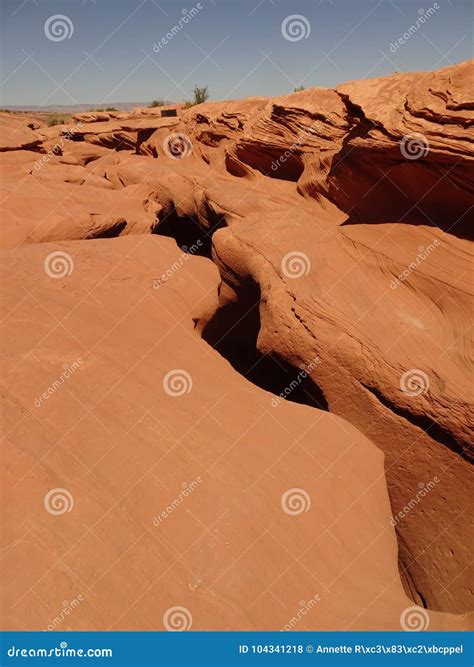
pixel 75 108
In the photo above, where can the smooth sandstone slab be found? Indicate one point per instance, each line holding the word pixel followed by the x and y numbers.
pixel 125 449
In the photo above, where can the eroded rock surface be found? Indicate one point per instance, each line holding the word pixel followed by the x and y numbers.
pixel 124 442
pixel 339 221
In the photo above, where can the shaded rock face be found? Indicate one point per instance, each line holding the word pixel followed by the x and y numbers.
pixel 429 119
pixel 340 223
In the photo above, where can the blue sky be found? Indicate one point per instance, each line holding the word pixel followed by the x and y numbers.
pixel 236 47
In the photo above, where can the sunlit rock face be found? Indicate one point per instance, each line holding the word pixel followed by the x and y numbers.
pixel 285 316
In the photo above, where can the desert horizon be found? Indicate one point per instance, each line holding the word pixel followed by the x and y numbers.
pixel 237 327
pixel 126 105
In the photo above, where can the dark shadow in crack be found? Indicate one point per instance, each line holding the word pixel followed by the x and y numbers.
pixel 187 231
pixel 233 332
pixel 425 423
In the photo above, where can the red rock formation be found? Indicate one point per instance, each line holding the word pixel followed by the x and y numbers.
pixel 339 223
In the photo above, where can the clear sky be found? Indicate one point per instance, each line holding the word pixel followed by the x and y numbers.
pixel 237 47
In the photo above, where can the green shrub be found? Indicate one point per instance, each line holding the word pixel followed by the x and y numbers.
pixel 55 120
pixel 157 103
pixel 200 94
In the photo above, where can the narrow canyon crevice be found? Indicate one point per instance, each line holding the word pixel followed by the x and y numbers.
pixel 187 231
pixel 234 329
pixel 233 332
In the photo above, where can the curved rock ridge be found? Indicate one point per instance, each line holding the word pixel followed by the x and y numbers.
pixel 428 119
pixel 340 222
